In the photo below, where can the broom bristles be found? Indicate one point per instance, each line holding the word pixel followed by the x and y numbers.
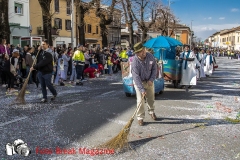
pixel 121 140
pixel 21 95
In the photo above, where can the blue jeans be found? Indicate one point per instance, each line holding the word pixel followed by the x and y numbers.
pixel 110 69
pixel 45 81
pixel 30 77
pixel 65 71
pixel 79 70
pixel 73 75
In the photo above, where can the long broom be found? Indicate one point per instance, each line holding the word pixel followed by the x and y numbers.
pixel 121 140
pixel 21 95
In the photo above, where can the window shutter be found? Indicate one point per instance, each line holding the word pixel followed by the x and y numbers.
pixel 66 24
pixel 60 23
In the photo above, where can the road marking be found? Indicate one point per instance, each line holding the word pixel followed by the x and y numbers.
pixel 12 121
pixel 117 83
pixel 69 104
pixel 107 93
pixel 25 117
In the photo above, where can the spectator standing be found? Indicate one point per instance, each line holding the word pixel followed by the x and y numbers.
pixel 29 62
pixel 79 62
pixel 65 58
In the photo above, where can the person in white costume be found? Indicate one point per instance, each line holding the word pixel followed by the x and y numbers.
pixel 201 58
pixel 208 64
pixel 189 61
pixel 198 65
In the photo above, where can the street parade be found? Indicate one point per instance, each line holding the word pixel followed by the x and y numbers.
pixel 133 88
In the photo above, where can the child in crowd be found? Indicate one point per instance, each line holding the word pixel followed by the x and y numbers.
pixel 109 64
pixel 73 77
pixel 61 72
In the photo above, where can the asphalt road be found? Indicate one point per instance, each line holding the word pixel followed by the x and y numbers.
pixel 190 125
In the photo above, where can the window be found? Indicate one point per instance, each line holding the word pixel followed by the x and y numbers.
pixel 56 5
pixel 68 24
pixel 68 7
pixel 18 8
pixel 89 27
pixel 96 29
pixel 178 37
pixel 58 23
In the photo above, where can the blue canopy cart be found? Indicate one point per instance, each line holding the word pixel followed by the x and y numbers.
pixel 165 51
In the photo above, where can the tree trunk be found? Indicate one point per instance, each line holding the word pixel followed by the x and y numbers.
pixel 104 34
pixel 144 36
pixel 81 27
pixel 4 20
pixel 131 40
pixel 47 29
pixel 47 23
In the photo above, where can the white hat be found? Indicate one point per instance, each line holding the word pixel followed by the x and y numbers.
pixel 15 50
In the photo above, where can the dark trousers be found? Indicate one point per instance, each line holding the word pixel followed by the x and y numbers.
pixel 34 76
pixel 11 79
pixel 3 77
pixel 45 81
pixel 79 70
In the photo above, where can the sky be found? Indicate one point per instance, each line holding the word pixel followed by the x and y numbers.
pixel 207 16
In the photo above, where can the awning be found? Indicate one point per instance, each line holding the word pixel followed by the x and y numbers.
pixel 14 24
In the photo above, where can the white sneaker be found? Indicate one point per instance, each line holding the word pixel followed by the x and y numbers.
pixel 4 85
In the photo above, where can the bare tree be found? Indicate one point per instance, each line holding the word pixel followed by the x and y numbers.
pixel 126 5
pixel 148 10
pixel 47 17
pixel 4 20
pixel 166 22
pixel 106 18
pixel 82 7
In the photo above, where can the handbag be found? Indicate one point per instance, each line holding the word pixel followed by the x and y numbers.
pixel 12 68
pixel 105 66
pixel 215 65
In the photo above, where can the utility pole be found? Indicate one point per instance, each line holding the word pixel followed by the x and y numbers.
pixel 169 3
pixel 72 40
pixel 191 36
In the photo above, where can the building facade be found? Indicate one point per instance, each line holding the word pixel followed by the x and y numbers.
pixel 215 40
pixel 181 33
pixel 230 39
pixel 61 23
pixel 19 20
pixel 226 39
pixel 114 29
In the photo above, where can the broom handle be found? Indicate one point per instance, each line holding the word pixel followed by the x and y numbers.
pixel 138 107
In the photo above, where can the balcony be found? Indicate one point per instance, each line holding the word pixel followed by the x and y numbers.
pixel 55 32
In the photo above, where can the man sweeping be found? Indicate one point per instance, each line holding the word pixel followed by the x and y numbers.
pixel 144 71
pixel 44 66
